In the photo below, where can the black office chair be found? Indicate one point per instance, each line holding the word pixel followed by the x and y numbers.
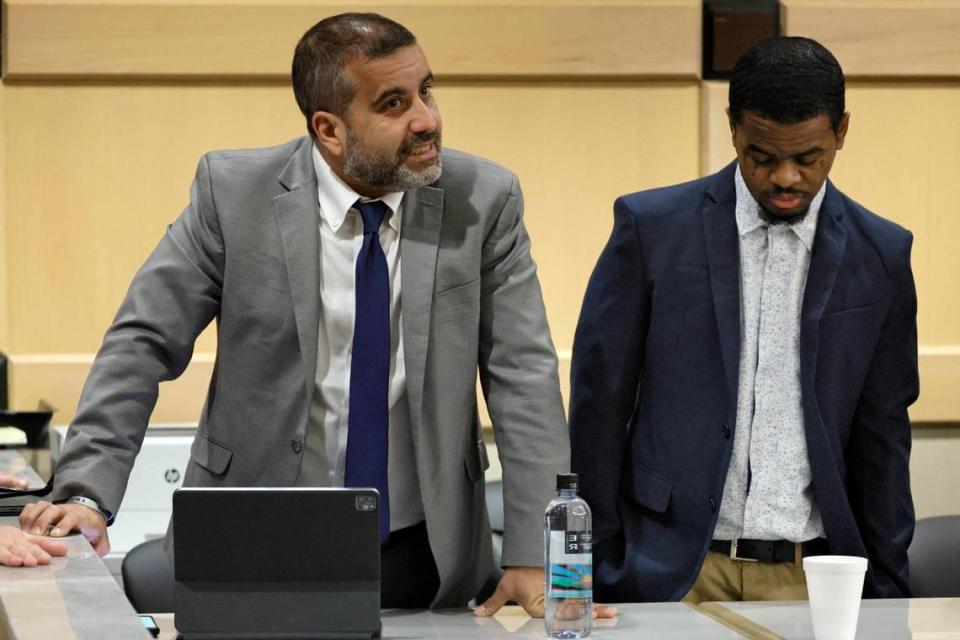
pixel 148 578
pixel 934 558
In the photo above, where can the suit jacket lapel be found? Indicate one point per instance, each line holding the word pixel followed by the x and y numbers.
pixel 419 240
pixel 298 216
pixel 723 258
pixel 829 245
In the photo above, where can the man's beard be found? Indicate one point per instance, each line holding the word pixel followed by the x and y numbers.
pixel 389 173
pixel 774 218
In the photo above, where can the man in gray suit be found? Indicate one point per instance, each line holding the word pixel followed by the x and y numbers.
pixel 268 248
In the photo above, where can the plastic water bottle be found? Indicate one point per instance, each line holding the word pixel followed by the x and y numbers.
pixel 568 562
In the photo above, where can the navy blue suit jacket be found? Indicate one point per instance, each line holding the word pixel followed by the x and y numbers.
pixel 654 386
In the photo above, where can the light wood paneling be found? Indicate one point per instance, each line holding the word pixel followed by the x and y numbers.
pixel 4 337
pixel 576 148
pixel 100 171
pixel 199 38
pixel 58 379
pixel 889 38
pixel 939 385
pixel 82 185
pixel 716 144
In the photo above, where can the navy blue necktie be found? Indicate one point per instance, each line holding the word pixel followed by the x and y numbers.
pixel 366 464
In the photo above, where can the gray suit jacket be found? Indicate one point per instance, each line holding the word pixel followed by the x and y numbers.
pixel 245 252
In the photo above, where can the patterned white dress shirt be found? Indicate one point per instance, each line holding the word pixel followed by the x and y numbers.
pixel 768 493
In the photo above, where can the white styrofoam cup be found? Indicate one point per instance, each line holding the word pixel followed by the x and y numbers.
pixel 834 584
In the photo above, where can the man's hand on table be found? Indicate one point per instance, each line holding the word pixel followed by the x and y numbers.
pixel 12 482
pixel 524 585
pixel 18 549
pixel 57 520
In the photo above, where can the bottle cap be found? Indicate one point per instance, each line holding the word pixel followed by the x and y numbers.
pixel 568 481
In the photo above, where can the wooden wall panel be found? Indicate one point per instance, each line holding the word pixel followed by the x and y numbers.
pixel 889 38
pixel 576 148
pixel 58 379
pixel 4 337
pixel 196 38
pixel 100 171
pixel 716 144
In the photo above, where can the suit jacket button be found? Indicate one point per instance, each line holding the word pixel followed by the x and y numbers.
pixel 726 431
pixel 713 505
pixel 296 445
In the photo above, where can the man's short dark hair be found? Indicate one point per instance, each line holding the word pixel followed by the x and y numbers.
pixel 321 56
pixel 788 80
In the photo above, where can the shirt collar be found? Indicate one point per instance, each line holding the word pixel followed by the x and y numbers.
pixel 337 198
pixel 748 213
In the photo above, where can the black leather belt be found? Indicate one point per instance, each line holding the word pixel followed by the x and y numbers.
pixel 770 550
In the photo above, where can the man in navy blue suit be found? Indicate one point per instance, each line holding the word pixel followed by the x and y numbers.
pixel 744 362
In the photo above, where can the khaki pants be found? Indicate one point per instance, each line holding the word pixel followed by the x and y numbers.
pixel 722 579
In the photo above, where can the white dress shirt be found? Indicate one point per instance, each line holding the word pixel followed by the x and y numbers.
pixel 768 493
pixel 324 455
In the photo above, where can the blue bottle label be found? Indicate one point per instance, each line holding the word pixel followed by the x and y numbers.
pixel 571 565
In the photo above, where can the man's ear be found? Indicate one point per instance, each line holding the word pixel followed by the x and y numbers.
pixel 842 129
pixel 330 132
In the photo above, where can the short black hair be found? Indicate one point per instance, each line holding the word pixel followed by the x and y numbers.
pixel 788 80
pixel 322 54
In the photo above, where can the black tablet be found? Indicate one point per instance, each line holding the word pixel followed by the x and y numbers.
pixel 276 563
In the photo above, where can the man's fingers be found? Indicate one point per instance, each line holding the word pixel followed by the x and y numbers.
pixel 13 482
pixel 52 547
pixel 65 525
pixel 535 607
pixel 494 603
pixel 26 558
pixel 37 553
pixel 604 611
pixel 30 512
pixel 85 520
pixel 18 549
pixel 102 546
pixel 52 514
pixel 25 551
pixel 14 553
pixel 94 529
pixel 10 559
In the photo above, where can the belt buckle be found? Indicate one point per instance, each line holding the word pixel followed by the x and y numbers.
pixel 733 552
